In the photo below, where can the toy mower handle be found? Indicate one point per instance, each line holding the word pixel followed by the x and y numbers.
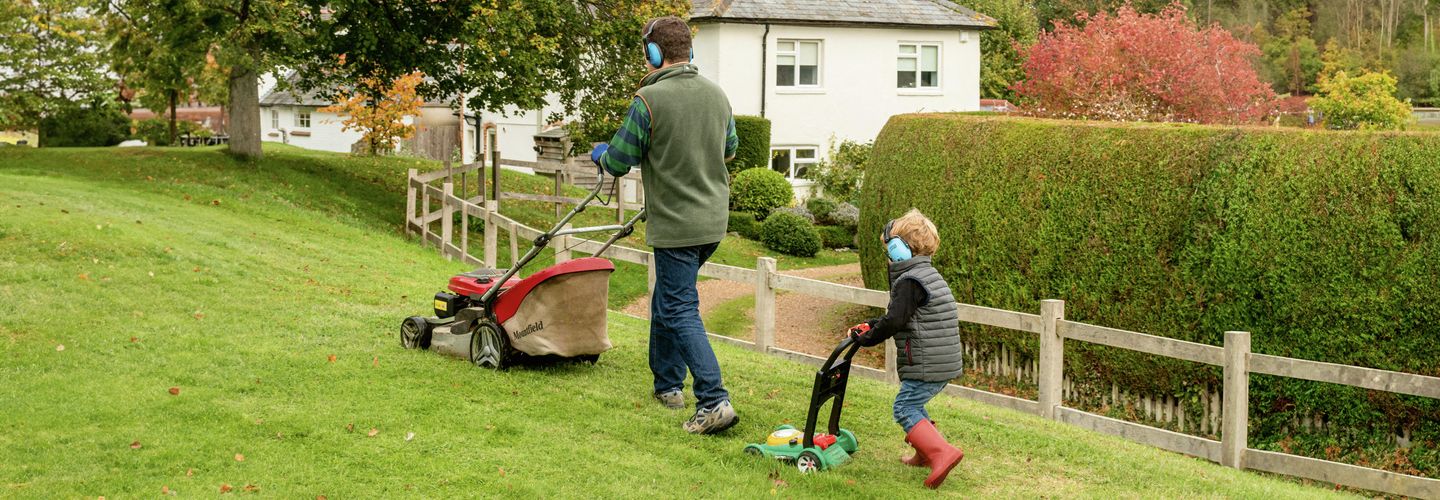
pixel 847 348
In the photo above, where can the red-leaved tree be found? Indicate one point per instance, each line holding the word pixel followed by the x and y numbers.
pixel 1142 67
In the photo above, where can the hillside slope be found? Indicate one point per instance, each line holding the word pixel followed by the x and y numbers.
pixel 268 295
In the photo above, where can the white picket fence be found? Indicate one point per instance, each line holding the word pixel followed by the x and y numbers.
pixel 1049 325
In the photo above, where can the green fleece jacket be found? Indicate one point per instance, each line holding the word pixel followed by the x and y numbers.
pixel 679 130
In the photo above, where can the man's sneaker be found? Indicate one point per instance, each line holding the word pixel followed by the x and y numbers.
pixel 674 400
pixel 713 419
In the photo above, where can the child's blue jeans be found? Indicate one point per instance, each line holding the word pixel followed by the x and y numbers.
pixel 910 402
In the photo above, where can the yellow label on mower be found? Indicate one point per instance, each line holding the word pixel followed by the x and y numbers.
pixel 440 305
pixel 784 436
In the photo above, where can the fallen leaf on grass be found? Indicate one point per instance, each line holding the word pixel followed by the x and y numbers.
pixel 199 315
pixel 64 211
pixel 135 445
pixel 502 471
pixel 321 497
pixel 174 391
pixel 375 362
pixel 189 472
pixel 239 457
pixel 197 269
pixel 772 393
pixel 225 488
pixel 409 436
pixel 373 432
pixel 252 488
pixel 60 347
pixel 165 490
pixel 84 277
pixel 775 479
pixel 187 197
pixel 332 358
pixel 349 427
pixel 259 421
pixel 215 202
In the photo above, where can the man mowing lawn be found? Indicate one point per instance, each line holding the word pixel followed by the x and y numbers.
pixel 680 131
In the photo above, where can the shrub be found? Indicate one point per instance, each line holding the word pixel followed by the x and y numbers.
pixel 845 214
pixel 743 223
pixel 836 236
pixel 1320 243
pixel 800 211
pixel 1361 102
pixel 820 207
pixel 841 175
pixel 754 149
pixel 99 124
pixel 156 131
pixel 790 234
pixel 1154 67
pixel 760 190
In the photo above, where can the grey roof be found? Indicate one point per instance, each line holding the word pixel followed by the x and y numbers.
pixel 935 14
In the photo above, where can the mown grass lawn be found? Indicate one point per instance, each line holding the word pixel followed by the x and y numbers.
pixel 268 297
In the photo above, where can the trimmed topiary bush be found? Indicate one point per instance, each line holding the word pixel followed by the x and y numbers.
pixel 743 223
pixel 759 191
pixel 820 207
pixel 754 149
pixel 790 234
pixel 1325 245
pixel 836 236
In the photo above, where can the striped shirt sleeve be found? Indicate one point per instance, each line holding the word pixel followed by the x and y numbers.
pixel 732 141
pixel 630 143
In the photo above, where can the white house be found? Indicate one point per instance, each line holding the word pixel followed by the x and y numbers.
pixel 828 70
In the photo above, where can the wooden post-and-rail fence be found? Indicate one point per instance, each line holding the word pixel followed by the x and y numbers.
pixel 1049 325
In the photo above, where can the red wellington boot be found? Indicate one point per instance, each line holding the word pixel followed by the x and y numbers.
pixel 938 453
pixel 916 460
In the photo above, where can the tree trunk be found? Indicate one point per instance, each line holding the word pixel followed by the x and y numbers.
pixel 173 96
pixel 245 113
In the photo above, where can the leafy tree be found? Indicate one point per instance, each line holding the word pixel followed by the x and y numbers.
pixel 1365 102
pixel 1133 66
pixel 161 48
pixel 1000 58
pixel 381 116
pixel 50 58
pixel 97 124
pixel 1292 56
pixel 496 53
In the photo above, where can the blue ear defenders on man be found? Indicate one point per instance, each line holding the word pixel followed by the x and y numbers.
pixel 894 246
pixel 653 54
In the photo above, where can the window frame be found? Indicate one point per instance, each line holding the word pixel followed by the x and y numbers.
pixel 918 57
pixel 274 118
pixel 795 53
pixel 791 151
pixel 302 118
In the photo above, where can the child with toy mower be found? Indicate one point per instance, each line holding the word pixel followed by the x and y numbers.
pixel 923 320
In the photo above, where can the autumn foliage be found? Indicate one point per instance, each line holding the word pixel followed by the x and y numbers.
pixel 1143 67
pixel 382 117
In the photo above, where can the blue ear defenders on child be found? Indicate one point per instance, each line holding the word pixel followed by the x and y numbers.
pixel 894 246
pixel 653 55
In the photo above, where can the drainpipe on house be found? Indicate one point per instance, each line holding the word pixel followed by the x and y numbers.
pixel 764 52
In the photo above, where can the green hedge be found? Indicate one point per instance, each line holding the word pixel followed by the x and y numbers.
pixel 744 224
pixel 790 234
pixel 754 149
pixel 758 191
pixel 1325 245
pixel 836 236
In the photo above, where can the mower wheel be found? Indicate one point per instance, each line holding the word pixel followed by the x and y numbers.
pixel 488 348
pixel 753 450
pixel 807 462
pixel 415 332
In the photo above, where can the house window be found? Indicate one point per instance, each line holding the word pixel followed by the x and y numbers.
pixel 302 118
pixel 918 66
pixel 797 64
pixel 274 119
pixel 793 161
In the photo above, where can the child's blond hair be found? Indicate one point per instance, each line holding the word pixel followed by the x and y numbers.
pixel 918 232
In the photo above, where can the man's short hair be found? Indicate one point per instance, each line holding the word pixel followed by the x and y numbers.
pixel 673 36
pixel 918 232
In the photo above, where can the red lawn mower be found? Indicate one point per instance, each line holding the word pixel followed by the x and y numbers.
pixel 493 319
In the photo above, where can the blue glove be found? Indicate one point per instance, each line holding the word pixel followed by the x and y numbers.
pixel 599 151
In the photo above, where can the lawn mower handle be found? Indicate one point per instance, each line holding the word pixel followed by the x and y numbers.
pixel 559 229
pixel 830 383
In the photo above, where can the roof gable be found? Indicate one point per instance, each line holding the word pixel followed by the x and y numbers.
pixel 931 14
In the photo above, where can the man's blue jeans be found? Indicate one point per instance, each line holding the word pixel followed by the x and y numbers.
pixel 677 336
pixel 910 402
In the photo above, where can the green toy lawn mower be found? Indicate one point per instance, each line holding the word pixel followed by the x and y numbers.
pixel 812 452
